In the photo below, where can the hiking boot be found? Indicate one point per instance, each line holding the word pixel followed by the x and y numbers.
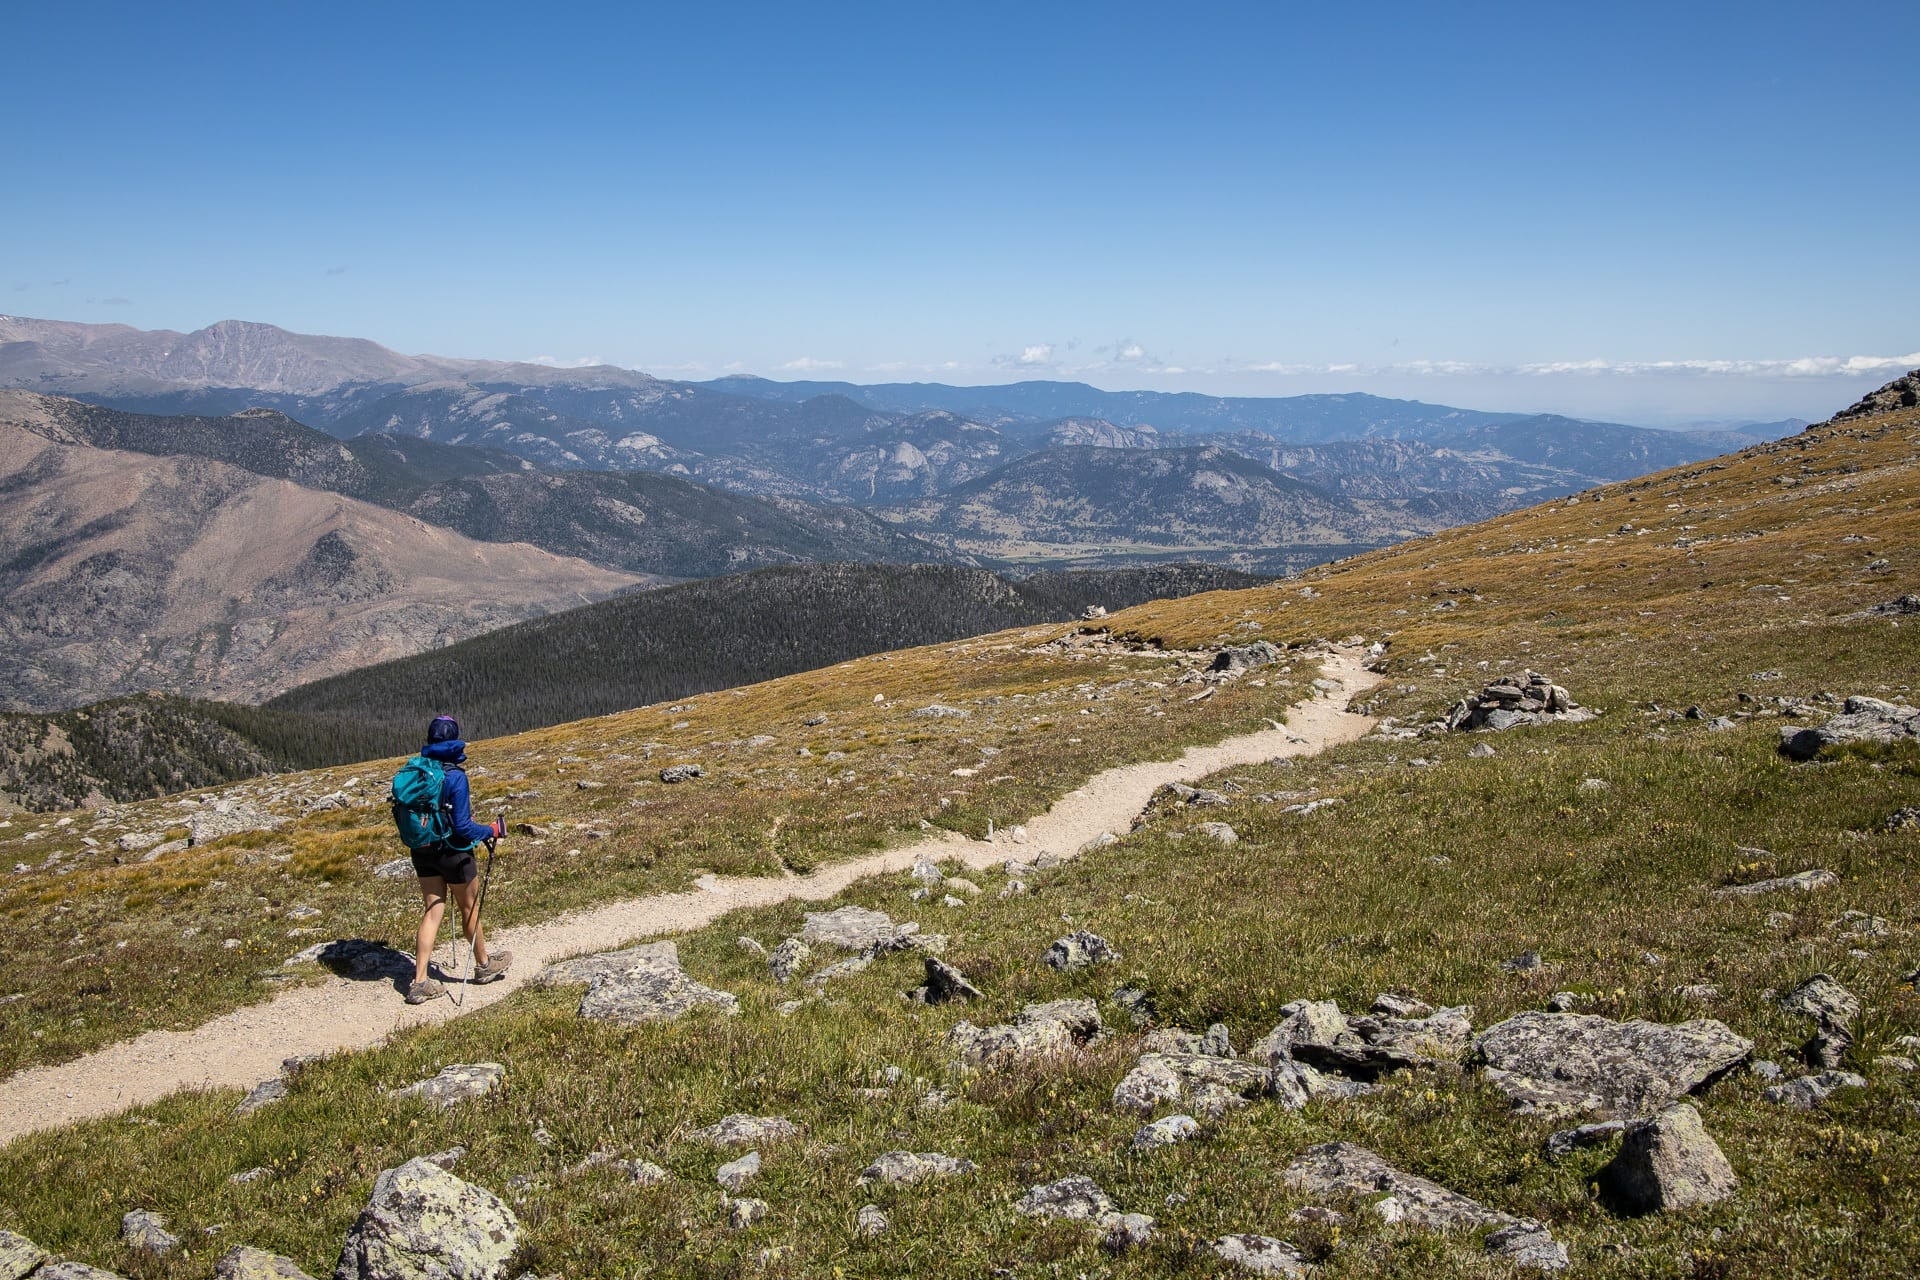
pixel 423 990
pixel 494 969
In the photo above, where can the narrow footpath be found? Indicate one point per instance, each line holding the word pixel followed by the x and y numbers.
pixel 242 1048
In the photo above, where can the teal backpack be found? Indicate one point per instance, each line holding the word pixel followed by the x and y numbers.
pixel 416 804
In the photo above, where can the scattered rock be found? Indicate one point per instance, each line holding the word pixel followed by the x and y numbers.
pixel 1126 1231
pixel 398 869
pixel 895 1167
pixel 1823 1000
pixel 1076 1198
pixel 1902 393
pixel 1237 659
pixel 220 816
pixel 1804 881
pixel 962 886
pixel 746 1212
pixel 927 872
pixel 856 929
pixel 455 1084
pixel 243 1262
pixel 1396 1006
pixel 1567 1141
pixel 264 1094
pixel 945 984
pixel 1317 1033
pixel 751 947
pixel 1808 1092
pixel 250 1175
pixel 736 1174
pixel 74 1271
pixel 787 959
pixel 1861 720
pixel 639 984
pixel 1079 950
pixel 1211 1086
pixel 147 1233
pixel 1668 1161
pixel 1262 1256
pixel 1037 1030
pixel 1525 962
pixel 870 1222
pixel 423 1223
pixel 1167 1131
pixel 674 773
pixel 1346 1170
pixel 1555 1063
pixel 742 1130
pixel 1218 831
pixel 939 711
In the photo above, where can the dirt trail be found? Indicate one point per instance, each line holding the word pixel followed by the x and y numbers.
pixel 242 1048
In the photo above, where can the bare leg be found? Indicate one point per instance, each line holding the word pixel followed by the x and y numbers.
pixel 467 898
pixel 433 896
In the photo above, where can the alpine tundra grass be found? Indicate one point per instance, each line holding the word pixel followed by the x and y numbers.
pixel 1598 846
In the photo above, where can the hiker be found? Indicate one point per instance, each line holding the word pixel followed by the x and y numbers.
pixel 439 829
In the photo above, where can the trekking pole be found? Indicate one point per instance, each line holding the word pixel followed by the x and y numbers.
pixel 478 907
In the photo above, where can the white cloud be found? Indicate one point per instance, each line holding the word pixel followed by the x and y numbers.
pixel 807 364
pixel 1037 354
pixel 1803 367
pixel 554 362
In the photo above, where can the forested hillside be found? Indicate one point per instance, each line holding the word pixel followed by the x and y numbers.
pixel 677 641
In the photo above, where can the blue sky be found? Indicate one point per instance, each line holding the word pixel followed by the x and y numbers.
pixel 1655 213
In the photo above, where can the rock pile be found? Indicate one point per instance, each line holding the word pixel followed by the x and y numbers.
pixel 1513 701
pixel 1902 393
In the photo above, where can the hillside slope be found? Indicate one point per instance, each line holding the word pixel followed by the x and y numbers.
pixel 122 572
pixel 1621 866
pixel 636 521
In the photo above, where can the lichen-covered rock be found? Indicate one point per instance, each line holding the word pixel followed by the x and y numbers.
pixel 652 956
pixel 1076 1198
pixel 946 984
pixel 742 1130
pixel 74 1271
pixel 1668 1161
pixel 912 1166
pixel 1262 1256
pixel 1549 1062
pixel 787 959
pixel 1165 1132
pixel 243 1262
pixel 18 1256
pixel 649 992
pixel 1211 1085
pixel 1799 881
pixel 264 1094
pixel 745 1212
pixel 1342 1169
pixel 147 1232
pixel 1078 950
pixel 1824 1000
pixel 734 1175
pixel 1037 1030
pixel 1126 1231
pixel 1306 1023
pixel 1861 720
pixel 854 929
pixel 455 1084
pixel 871 1222
pixel 423 1223
pixel 676 773
pixel 1565 1142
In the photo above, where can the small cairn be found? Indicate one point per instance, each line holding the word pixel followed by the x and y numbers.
pixel 1512 701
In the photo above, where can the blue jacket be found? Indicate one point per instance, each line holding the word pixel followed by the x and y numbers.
pixel 454 797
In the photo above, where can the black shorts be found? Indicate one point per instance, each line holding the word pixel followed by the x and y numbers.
pixel 455 866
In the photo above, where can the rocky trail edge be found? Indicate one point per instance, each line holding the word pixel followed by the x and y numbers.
pixel 242 1048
